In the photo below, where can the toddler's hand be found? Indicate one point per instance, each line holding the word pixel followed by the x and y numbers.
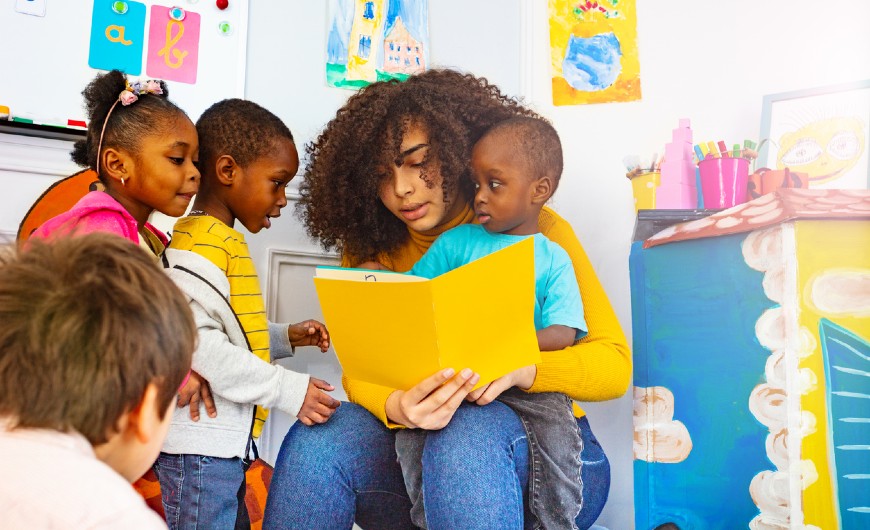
pixel 194 392
pixel 308 333
pixel 318 405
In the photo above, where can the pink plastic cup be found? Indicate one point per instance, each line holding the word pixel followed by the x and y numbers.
pixel 723 181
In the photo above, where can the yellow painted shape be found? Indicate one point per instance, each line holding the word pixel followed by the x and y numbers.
pixel 400 329
pixel 824 246
pixel 358 67
pixel 563 24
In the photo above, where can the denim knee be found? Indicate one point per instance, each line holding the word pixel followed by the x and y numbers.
pixel 330 475
pixel 595 473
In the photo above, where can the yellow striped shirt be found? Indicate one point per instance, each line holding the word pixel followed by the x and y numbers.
pixel 227 249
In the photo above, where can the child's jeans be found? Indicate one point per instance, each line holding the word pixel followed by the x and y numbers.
pixel 201 492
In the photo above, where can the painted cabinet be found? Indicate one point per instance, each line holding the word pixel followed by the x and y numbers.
pixel 752 366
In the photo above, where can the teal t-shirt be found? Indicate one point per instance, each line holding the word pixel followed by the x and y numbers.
pixel 557 295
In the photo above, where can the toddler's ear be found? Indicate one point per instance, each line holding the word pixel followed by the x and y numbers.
pixel 543 189
pixel 226 168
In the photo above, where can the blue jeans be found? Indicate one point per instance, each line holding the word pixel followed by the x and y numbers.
pixel 475 474
pixel 201 492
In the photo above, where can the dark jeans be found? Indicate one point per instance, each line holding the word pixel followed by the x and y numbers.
pixel 475 474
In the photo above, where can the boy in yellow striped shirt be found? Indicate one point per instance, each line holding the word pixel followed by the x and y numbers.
pixel 247 157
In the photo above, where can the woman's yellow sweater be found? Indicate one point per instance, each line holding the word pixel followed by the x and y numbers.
pixel 597 368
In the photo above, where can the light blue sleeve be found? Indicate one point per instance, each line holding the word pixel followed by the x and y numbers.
pixel 437 260
pixel 563 305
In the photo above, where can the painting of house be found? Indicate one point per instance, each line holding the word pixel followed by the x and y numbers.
pixel 402 52
pixel 375 40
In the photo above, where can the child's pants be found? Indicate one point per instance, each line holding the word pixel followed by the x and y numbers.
pixel 202 492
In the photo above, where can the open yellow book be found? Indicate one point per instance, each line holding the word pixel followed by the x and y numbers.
pixel 395 329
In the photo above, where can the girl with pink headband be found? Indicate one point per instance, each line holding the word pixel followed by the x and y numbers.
pixel 144 149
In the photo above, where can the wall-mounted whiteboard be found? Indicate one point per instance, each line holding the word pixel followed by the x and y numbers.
pixel 51 49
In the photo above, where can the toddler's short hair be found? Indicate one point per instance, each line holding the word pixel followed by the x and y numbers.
pixel 239 128
pixel 535 141
pixel 86 324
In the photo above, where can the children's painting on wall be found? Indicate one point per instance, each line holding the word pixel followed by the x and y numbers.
pixel 593 51
pixel 376 40
pixel 821 132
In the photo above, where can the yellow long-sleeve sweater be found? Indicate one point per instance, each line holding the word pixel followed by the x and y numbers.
pixel 597 368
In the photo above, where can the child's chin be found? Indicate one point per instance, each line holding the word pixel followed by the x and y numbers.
pixel 174 212
pixel 254 227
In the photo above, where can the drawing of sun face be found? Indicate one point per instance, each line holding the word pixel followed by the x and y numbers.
pixel 824 149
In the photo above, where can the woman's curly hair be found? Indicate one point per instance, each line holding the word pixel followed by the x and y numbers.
pixel 340 204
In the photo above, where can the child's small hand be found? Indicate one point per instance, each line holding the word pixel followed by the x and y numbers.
pixel 194 392
pixel 308 333
pixel 318 405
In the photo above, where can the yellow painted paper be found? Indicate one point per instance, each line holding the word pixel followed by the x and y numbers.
pixel 593 51
pixel 395 330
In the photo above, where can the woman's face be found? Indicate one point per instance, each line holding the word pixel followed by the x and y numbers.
pixel 418 203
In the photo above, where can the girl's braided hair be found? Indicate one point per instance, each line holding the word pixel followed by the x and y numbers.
pixel 349 160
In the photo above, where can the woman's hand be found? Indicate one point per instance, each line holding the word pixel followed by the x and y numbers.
pixel 522 378
pixel 431 403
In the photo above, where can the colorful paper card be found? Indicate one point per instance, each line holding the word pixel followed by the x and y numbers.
pixel 395 329
pixel 593 51
pixel 376 40
pixel 173 44
pixel 117 37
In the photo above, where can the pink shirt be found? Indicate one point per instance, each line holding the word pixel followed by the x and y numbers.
pixel 97 211
pixel 53 480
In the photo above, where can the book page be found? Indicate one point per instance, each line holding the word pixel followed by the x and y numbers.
pixel 364 275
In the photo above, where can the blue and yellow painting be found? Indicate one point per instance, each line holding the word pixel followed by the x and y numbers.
pixel 752 372
pixel 376 40
pixel 593 51
pixel 833 277
pixel 708 358
pixel 847 378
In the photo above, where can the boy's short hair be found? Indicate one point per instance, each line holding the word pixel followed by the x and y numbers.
pixel 239 128
pixel 536 141
pixel 86 324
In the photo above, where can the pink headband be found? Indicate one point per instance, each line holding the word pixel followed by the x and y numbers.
pixel 127 97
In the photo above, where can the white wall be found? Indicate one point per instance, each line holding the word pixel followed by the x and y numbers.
pixel 708 61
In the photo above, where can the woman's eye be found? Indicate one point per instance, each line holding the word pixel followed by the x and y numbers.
pixel 177 160
pixel 494 184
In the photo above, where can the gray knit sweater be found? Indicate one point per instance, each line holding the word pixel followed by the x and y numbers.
pixel 238 378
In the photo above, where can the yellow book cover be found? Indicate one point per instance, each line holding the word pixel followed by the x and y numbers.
pixel 395 329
